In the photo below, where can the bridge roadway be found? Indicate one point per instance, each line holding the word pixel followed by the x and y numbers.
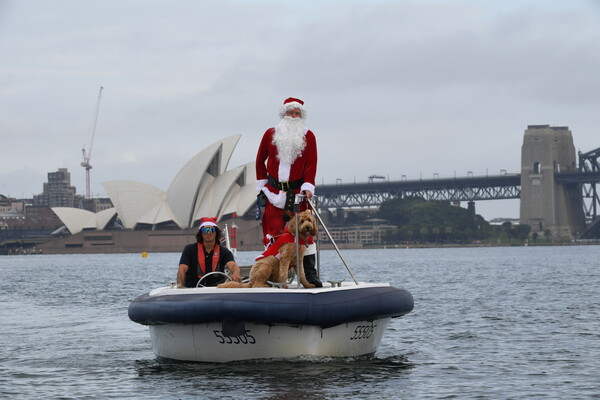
pixel 470 188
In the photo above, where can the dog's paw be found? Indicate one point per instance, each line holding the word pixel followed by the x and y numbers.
pixel 231 285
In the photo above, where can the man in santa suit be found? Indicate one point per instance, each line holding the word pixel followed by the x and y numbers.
pixel 286 164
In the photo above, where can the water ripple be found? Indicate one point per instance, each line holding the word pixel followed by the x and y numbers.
pixel 511 323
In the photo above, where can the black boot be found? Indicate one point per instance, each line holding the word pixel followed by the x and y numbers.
pixel 310 270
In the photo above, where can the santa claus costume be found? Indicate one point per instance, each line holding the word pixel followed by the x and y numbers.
pixel 286 164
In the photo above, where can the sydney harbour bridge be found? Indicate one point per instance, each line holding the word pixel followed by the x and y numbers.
pixel 470 188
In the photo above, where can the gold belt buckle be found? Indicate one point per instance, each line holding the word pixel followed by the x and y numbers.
pixel 285 186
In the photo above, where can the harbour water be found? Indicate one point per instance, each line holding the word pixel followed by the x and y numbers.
pixel 488 323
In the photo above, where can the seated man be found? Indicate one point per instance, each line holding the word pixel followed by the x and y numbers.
pixel 204 256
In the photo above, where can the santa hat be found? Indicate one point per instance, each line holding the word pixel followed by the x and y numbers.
pixel 291 103
pixel 207 221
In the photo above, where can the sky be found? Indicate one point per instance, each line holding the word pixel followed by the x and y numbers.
pixel 392 88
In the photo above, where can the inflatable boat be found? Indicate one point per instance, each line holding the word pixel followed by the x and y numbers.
pixel 211 324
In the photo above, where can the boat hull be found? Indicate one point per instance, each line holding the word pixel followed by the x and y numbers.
pixel 209 343
pixel 221 325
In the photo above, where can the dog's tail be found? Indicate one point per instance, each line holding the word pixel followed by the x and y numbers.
pixel 233 284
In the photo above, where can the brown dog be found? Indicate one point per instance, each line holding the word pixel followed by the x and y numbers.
pixel 274 263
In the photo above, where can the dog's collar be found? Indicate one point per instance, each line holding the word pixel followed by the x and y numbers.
pixel 301 239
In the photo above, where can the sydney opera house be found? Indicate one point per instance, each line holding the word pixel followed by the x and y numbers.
pixel 146 218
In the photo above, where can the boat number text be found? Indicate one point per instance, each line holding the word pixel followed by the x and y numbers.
pixel 246 338
pixel 363 332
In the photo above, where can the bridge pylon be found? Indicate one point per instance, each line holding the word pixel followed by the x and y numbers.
pixel 548 205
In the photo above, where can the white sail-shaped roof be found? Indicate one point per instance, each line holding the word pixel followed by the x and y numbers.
pixel 203 187
pixel 77 219
pixel 159 214
pixel 104 217
pixel 211 204
pixel 244 197
pixel 133 200
pixel 227 151
pixel 204 200
pixel 185 190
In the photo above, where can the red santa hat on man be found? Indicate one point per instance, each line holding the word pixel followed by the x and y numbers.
pixel 208 221
pixel 289 104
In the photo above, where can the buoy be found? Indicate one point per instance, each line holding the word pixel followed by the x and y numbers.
pixel 144 254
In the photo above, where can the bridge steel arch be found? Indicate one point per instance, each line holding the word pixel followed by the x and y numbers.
pixel 372 194
pixel 552 189
pixel 497 187
pixel 589 164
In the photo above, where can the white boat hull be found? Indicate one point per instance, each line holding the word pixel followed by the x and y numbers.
pixel 206 342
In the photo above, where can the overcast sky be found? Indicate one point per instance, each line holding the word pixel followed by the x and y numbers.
pixel 393 88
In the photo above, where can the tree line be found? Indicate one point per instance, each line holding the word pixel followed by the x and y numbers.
pixel 421 221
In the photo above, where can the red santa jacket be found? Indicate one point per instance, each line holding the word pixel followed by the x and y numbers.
pixel 286 237
pixel 267 163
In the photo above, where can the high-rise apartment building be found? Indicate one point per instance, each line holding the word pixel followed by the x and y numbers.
pixel 58 191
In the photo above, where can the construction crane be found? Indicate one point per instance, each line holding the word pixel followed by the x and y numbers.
pixel 87 154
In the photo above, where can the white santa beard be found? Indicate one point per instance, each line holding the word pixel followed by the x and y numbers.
pixel 290 139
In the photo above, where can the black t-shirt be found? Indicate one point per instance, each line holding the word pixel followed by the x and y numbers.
pixel 189 257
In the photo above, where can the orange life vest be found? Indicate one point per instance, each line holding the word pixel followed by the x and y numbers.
pixel 202 262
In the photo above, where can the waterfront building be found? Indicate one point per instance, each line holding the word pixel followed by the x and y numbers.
pixel 142 216
pixel 358 235
pixel 203 187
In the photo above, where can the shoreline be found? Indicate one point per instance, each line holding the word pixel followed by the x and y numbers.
pixel 326 246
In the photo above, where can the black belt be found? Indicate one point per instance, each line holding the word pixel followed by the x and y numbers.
pixel 284 186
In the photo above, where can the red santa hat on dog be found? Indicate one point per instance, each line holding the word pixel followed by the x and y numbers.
pixel 207 221
pixel 291 103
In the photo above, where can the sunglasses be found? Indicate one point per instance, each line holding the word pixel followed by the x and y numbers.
pixel 208 229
